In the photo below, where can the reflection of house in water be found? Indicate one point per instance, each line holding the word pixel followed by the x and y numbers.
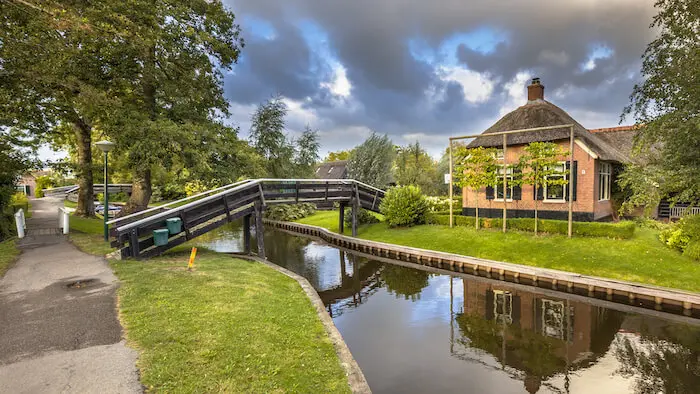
pixel 534 335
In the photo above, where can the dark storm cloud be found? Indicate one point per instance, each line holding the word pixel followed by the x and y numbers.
pixel 370 38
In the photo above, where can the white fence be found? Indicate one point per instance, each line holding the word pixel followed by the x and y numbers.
pixel 63 220
pixel 679 212
pixel 20 222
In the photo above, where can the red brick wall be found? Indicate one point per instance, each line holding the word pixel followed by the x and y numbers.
pixel 586 188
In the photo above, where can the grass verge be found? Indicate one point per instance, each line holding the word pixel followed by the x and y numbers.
pixel 88 235
pixel 8 255
pixel 642 258
pixel 229 326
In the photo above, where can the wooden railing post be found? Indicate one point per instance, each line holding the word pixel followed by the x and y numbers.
pixel 355 208
pixel 341 218
pixel 246 234
pixel 259 230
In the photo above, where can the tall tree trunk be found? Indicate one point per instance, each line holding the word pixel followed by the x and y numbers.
pixel 140 192
pixel 141 188
pixel 476 202
pixel 536 203
pixel 86 206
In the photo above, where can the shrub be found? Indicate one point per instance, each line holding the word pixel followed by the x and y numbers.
pixel 404 206
pixel 621 230
pixel 684 236
pixel 289 212
pixel 442 204
pixel 363 217
pixel 19 200
pixel 39 192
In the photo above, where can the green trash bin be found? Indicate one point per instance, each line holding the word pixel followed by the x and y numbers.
pixel 160 237
pixel 174 225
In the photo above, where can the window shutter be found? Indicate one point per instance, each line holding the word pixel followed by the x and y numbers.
pixel 490 301
pixel 489 193
pixel 538 194
pixel 517 190
pixel 573 176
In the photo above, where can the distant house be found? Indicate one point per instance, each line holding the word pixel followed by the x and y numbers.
pixel 27 184
pixel 596 162
pixel 332 170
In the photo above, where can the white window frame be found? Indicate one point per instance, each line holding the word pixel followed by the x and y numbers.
pixel 563 197
pixel 509 177
pixel 604 181
pixel 505 314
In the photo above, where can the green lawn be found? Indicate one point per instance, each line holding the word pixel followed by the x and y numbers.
pixel 229 326
pixel 641 259
pixel 88 235
pixel 70 204
pixel 8 254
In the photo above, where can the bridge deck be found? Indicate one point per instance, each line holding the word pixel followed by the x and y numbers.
pixel 133 234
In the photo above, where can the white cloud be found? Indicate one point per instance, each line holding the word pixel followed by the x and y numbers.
pixel 515 91
pixel 340 85
pixel 477 87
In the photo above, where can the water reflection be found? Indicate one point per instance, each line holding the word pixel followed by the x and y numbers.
pixel 415 331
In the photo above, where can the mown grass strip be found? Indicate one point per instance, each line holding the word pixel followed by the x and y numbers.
pixel 642 258
pixel 8 254
pixel 229 326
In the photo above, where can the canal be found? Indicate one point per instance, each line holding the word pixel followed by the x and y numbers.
pixel 414 331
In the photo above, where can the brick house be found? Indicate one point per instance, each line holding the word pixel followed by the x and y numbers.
pixel 597 158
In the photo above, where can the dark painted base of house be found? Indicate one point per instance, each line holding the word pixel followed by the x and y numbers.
pixel 528 213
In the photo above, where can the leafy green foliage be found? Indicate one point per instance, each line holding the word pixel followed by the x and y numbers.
pixel 666 104
pixel 404 206
pixel 684 236
pixel 475 168
pixel 414 166
pixel 338 156
pixel 371 161
pixel 442 204
pixel 306 153
pixel 289 212
pixel 620 230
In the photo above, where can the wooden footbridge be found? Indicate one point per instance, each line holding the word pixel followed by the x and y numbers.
pixel 152 232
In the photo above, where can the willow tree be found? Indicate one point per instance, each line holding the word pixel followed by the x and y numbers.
pixel 539 165
pixel 475 168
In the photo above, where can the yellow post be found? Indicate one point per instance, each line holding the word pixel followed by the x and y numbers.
pixel 190 264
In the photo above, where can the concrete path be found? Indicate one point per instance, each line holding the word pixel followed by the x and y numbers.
pixel 59 331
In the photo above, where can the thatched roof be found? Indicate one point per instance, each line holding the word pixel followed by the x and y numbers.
pixel 622 138
pixel 542 113
pixel 332 170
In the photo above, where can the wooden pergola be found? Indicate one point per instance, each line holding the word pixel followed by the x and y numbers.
pixel 505 164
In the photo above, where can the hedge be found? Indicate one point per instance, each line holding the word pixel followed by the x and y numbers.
pixel 621 230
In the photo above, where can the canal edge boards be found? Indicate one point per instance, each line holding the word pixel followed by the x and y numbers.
pixel 356 379
pixel 621 292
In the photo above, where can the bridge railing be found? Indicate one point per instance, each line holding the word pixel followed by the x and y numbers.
pixel 134 234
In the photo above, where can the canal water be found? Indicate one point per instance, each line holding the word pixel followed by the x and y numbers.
pixel 413 331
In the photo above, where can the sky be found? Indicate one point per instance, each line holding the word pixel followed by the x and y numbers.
pixel 425 70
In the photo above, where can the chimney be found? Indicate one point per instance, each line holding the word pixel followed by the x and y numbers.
pixel 535 91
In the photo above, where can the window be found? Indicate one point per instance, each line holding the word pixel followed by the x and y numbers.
pixel 503 306
pixel 556 193
pixel 557 320
pixel 499 154
pixel 509 185
pixel 604 176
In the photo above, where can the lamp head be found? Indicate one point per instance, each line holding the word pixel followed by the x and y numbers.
pixel 105 146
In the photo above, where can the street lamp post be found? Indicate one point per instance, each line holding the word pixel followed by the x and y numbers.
pixel 106 147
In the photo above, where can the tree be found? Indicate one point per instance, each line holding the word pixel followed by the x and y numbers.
pixel 14 161
pixel 539 164
pixel 370 162
pixel 666 104
pixel 306 153
pixel 58 71
pixel 414 166
pixel 268 138
pixel 338 156
pixel 475 168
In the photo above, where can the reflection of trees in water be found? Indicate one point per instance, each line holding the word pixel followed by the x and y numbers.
pixel 666 363
pixel 288 251
pixel 404 281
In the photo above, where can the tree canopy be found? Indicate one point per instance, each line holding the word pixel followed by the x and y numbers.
pixel 371 161
pixel 666 104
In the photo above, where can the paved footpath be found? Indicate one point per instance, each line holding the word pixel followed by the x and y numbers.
pixel 59 331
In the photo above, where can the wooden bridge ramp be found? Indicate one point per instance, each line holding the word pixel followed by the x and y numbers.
pixel 134 235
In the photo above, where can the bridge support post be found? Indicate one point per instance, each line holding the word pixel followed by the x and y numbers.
pixel 341 218
pixel 355 208
pixel 259 230
pixel 246 234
